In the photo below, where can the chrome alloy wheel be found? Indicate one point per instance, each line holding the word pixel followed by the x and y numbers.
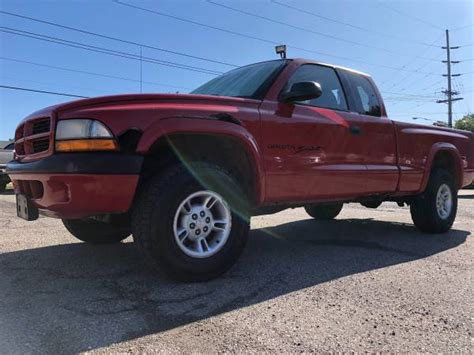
pixel 202 224
pixel 444 201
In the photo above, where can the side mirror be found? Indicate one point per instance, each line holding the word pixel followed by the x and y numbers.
pixel 305 90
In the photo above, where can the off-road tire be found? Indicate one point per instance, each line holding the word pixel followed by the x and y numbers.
pixel 153 219
pixel 97 232
pixel 324 212
pixel 423 208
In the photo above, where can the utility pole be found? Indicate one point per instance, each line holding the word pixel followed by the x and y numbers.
pixel 449 93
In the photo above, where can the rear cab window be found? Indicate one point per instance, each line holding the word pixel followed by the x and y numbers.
pixel 333 96
pixel 364 99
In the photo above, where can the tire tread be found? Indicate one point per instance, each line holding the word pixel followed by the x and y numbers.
pixel 423 208
pixel 156 190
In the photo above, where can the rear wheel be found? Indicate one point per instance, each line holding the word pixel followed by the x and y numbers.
pixel 434 211
pixel 191 221
pixel 324 212
pixel 3 186
pixel 99 232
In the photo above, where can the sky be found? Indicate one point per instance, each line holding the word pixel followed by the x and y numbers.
pixel 397 42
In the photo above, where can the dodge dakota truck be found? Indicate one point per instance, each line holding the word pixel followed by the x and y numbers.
pixel 184 173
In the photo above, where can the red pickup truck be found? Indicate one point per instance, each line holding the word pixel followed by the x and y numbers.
pixel 184 173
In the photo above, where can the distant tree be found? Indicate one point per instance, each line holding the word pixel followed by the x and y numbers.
pixel 466 123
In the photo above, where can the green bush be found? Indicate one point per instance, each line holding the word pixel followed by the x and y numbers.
pixel 466 123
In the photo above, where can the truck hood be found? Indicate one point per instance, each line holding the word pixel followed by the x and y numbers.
pixel 131 98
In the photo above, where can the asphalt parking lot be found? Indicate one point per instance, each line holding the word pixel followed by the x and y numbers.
pixel 365 282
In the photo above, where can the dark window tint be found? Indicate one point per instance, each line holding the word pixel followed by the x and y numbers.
pixel 333 95
pixel 366 100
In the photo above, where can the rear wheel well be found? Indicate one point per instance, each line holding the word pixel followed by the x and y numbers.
pixel 446 161
pixel 225 152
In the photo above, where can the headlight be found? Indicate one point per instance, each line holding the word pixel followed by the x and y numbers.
pixel 83 135
pixel 76 129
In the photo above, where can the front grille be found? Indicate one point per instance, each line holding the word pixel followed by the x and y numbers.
pixel 41 126
pixel 32 137
pixel 19 149
pixel 19 133
pixel 40 145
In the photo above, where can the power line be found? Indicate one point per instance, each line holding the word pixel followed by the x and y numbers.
pixel 439 81
pixel 410 16
pixel 220 29
pixel 41 91
pixel 459 85
pixel 462 27
pixel 55 84
pixel 419 105
pixel 406 94
pixel 429 86
pixel 409 95
pixel 161 84
pixel 371 31
pixel 254 37
pixel 309 30
pixel 407 99
pixel 421 113
pixel 400 99
pixel 398 80
pixel 103 50
pixel 115 38
pixel 402 83
pixel 92 73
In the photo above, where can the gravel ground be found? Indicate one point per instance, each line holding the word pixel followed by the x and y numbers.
pixel 365 282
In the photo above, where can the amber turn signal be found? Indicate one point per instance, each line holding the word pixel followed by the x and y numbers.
pixel 86 145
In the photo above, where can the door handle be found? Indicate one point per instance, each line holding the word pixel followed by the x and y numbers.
pixel 355 130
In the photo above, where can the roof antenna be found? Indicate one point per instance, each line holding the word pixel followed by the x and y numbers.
pixel 281 50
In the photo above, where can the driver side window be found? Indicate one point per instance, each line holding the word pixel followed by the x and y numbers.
pixel 332 96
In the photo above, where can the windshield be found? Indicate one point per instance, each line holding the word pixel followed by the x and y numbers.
pixel 250 81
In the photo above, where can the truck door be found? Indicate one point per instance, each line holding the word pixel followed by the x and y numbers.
pixel 312 150
pixel 378 132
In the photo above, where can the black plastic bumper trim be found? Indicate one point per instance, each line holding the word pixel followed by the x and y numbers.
pixel 81 163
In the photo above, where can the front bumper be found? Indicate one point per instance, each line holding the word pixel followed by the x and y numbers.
pixel 78 185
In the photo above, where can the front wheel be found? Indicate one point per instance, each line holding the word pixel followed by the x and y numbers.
pixel 99 232
pixel 434 211
pixel 324 212
pixel 191 221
